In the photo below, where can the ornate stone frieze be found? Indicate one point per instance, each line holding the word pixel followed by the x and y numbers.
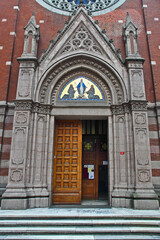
pixel 135 65
pixel 138 105
pixel 120 109
pixel 117 109
pixel 21 117
pixel 41 108
pixel 144 175
pixel 23 105
pixel 16 175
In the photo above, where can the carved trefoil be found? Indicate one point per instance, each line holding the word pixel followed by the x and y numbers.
pixel 82 39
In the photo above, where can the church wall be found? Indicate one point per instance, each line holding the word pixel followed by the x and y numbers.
pixel 50 23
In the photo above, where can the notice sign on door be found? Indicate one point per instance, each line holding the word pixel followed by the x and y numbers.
pixel 88 171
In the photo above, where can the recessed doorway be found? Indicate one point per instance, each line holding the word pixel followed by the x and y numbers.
pixel 94 160
pixel 80 161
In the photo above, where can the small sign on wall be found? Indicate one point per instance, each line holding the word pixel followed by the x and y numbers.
pixel 122 153
pixel 88 171
pixel 105 162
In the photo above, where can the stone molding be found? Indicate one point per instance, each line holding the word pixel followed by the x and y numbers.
pixel 128 107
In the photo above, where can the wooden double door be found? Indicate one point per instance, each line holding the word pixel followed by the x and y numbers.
pixel 77 167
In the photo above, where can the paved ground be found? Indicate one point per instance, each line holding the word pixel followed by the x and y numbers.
pixel 80 211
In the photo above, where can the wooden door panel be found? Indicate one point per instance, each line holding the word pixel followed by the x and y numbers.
pixel 88 189
pixel 67 162
pixel 89 159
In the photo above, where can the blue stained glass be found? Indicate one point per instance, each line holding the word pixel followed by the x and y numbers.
pixel 78 1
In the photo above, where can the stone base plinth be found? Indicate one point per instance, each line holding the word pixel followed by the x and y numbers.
pixel 14 204
pixel 145 200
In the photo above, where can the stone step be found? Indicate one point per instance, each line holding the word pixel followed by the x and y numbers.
pixel 79 222
pixel 82 216
pixel 79 230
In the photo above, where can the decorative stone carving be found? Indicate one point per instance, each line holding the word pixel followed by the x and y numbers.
pixel 141 146
pixel 24 83
pixel 135 65
pixel 31 35
pixel 67 6
pixel 140 118
pixel 16 175
pixel 21 117
pixel 23 105
pixel 143 175
pixel 117 109
pixel 83 40
pixel 130 38
pixel 41 108
pixel 138 105
pixel 137 83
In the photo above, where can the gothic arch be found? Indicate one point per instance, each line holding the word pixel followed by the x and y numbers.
pixel 106 76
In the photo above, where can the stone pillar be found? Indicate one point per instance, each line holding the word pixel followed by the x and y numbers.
pixel 15 196
pixel 144 196
pixel 123 190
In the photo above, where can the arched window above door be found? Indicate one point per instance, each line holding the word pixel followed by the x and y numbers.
pixel 81 88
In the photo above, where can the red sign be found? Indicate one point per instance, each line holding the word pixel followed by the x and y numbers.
pixel 121 153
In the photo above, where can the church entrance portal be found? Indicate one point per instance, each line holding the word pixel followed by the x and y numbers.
pixel 80 161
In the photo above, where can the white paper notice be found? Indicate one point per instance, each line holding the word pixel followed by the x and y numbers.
pixel 91 175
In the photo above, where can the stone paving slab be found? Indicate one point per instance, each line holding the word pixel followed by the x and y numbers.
pixel 84 237
pixel 80 212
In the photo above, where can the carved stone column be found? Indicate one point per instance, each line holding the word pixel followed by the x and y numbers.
pixel 144 196
pixel 123 190
pixel 15 196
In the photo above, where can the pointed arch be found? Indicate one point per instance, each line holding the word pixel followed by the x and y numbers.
pixel 105 76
